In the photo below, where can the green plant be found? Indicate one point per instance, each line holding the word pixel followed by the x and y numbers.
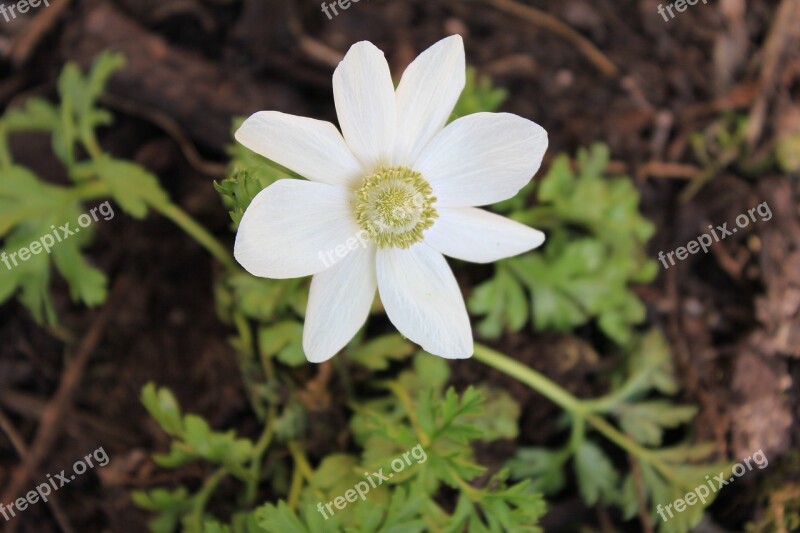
pixel 595 250
pixel 31 208
pixel 394 397
pixel 662 473
pixel 417 413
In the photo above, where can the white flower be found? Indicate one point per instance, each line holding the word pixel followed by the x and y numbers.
pixel 397 176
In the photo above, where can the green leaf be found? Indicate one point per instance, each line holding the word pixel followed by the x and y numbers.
pixel 194 437
pixel 163 407
pixel 105 65
pixel 597 478
pixel 595 251
pixel 292 423
pixel 283 340
pixel 377 353
pixel 646 421
pixel 31 278
pixel 86 283
pixel 222 448
pixel 502 301
pixel 787 153
pixel 170 506
pixel 545 468
pixel 499 416
pixel 36 115
pixel 263 299
pixel 336 470
pixel 429 373
pixel 279 519
pixel 240 188
pixel 132 187
pixel 558 280
pixel 455 410
pixel 403 514
pixel 479 95
pixel 515 508
pixel 23 198
pixel 651 366
pixel 628 500
pixel 79 93
pixel 31 215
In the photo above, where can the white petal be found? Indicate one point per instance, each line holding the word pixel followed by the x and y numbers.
pixel 427 93
pixel 482 159
pixel 339 303
pixel 364 96
pixel 423 301
pixel 292 229
pixel 313 148
pixel 479 236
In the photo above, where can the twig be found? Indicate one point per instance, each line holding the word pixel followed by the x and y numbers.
pixel 53 417
pixel 551 23
pixel 13 435
pixel 313 48
pixel 32 407
pixel 171 127
pixel 664 169
pixel 22 48
pixel 22 450
pixel 783 37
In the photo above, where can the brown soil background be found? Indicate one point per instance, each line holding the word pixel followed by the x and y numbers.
pixel 732 316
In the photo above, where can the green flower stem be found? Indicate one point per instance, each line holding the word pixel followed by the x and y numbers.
pixel 301 461
pixel 202 497
pixel 405 399
pixel 302 469
pixel 474 495
pixel 607 403
pixel 295 489
pixel 530 377
pixel 567 401
pixel 5 154
pixel 258 455
pixel 91 190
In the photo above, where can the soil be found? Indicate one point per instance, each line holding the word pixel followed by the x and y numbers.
pixel 732 316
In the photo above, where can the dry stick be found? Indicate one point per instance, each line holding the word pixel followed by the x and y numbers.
pixel 171 127
pixel 549 22
pixel 32 407
pixel 313 48
pixel 664 169
pixel 22 450
pixel 23 47
pixel 783 37
pixel 13 435
pixel 53 416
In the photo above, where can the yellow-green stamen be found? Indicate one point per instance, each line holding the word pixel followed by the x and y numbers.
pixel 394 206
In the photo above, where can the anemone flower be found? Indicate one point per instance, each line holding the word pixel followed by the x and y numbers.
pixel 387 198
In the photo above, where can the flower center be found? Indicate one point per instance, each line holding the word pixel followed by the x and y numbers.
pixel 394 206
